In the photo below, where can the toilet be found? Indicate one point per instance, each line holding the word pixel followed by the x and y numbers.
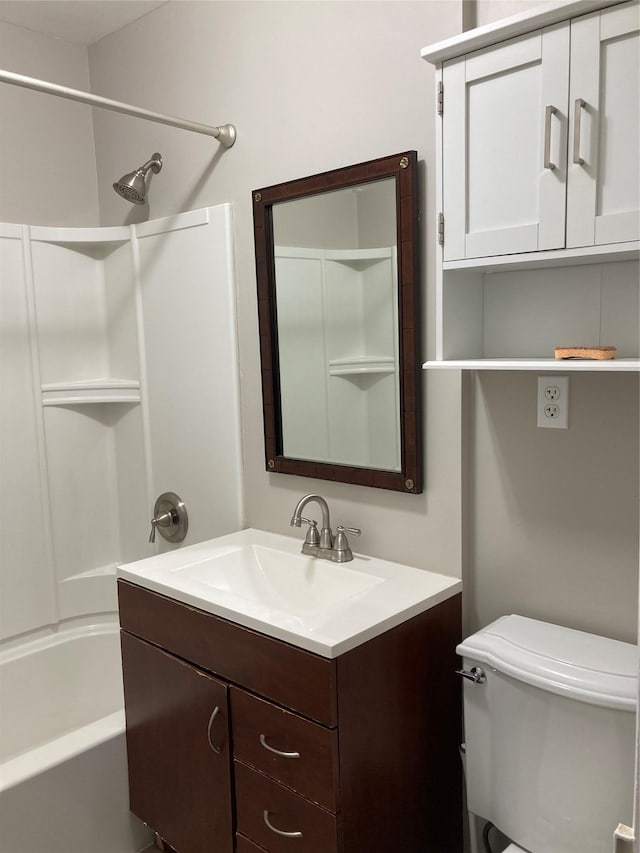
pixel 549 717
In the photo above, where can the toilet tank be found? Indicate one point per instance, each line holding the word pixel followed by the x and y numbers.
pixel 550 734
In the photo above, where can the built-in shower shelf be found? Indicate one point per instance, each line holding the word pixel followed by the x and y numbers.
pixel 91 391
pixel 114 235
pixel 358 258
pixel 360 365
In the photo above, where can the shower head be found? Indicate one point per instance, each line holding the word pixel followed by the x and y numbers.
pixel 133 186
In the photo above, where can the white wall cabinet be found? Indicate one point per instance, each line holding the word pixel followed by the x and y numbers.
pixel 508 174
pixel 539 187
pixel 603 180
pixel 498 196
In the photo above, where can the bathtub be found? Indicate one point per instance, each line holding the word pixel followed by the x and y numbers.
pixel 63 766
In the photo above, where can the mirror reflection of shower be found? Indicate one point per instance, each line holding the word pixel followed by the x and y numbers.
pixel 134 185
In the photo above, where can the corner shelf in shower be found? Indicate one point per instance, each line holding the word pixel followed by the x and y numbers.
pixel 100 236
pixel 359 258
pixel 91 391
pixel 361 365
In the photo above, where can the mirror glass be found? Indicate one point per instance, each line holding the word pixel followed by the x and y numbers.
pixel 336 284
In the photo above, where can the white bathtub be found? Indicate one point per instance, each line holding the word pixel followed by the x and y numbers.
pixel 63 770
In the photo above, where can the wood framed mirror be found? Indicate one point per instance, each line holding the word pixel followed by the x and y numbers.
pixel 338 308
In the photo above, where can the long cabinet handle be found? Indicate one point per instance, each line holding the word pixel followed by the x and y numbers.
pixel 279 752
pixel 214 714
pixel 265 817
pixel 577 119
pixel 548 112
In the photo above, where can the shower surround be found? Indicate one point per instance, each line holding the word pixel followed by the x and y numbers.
pixel 119 381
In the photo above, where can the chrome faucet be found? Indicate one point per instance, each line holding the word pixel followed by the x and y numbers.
pixel 322 545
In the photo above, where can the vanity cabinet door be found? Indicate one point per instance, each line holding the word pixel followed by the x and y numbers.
pixel 603 200
pixel 178 749
pixel 504 146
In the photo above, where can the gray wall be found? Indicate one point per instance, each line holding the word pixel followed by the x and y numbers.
pixel 550 518
pixel 47 157
pixel 310 86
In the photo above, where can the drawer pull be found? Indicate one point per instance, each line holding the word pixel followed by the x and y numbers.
pixel 214 714
pixel 265 816
pixel 279 752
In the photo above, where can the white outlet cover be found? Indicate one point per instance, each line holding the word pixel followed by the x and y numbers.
pixel 553 402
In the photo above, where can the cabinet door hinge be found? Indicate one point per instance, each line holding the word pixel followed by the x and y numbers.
pixel 441 229
pixel 440 99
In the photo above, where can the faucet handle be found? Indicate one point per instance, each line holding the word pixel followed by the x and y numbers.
pixel 355 531
pixel 312 537
pixel 341 551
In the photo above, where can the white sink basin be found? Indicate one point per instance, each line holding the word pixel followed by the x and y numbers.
pixel 292 583
pixel 262 581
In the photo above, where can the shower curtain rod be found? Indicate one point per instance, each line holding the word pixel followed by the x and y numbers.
pixel 225 134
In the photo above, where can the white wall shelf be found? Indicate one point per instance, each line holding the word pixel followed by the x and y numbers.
pixel 543 364
pixel 548 259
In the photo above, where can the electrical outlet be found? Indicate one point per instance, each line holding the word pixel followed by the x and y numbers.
pixel 552 392
pixel 553 402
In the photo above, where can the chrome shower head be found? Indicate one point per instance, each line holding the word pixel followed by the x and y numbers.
pixel 133 186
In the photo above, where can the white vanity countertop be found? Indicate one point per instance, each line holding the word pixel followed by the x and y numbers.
pixel 261 580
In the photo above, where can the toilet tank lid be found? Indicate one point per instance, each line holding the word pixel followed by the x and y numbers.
pixel 586 667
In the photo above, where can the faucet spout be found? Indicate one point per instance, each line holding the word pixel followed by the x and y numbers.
pixel 296 518
pixel 326 536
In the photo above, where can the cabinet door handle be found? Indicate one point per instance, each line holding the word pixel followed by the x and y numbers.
pixel 214 714
pixel 279 752
pixel 577 119
pixel 548 112
pixel 265 817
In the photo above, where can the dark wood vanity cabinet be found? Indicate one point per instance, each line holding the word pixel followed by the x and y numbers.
pixel 239 742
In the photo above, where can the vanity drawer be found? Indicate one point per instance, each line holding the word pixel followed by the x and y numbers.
pixel 262 731
pixel 260 799
pixel 290 676
pixel 243 845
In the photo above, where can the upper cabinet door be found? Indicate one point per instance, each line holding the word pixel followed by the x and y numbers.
pixel 504 146
pixel 604 177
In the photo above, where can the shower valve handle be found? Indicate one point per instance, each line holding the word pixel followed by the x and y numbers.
pixel 170 518
pixel 165 519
